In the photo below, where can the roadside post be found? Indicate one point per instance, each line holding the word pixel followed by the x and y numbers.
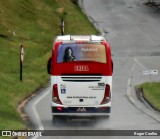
pixel 62 27
pixel 21 61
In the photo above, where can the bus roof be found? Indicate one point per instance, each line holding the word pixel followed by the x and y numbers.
pixel 71 38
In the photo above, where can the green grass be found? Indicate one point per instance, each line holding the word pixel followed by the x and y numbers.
pixel 152 93
pixel 35 24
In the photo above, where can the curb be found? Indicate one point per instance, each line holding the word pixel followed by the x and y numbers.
pixel 140 94
pixel 138 101
pixel 22 103
pixel 143 106
pixel 81 5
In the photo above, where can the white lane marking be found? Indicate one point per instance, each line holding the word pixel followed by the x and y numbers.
pixel 142 66
pixel 40 125
pixel 133 100
pixel 36 113
pixel 130 79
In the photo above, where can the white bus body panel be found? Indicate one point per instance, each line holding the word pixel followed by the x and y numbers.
pixel 81 94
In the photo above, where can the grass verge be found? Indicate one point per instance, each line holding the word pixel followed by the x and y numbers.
pixel 34 24
pixel 151 92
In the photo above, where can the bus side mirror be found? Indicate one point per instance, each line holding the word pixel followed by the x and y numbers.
pixel 49 65
pixel 112 66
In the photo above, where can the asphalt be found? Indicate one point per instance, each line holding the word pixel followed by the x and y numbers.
pixel 133 30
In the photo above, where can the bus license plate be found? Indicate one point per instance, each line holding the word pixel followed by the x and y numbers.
pixel 81 109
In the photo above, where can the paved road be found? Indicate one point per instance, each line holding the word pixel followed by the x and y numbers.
pixel 133 31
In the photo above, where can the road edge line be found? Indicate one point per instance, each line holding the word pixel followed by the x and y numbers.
pixel 40 125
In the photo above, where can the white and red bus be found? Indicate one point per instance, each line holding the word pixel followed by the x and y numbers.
pixel 81 76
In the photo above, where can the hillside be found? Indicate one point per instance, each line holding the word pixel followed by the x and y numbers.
pixel 33 24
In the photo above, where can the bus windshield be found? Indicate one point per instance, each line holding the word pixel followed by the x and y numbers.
pixel 81 52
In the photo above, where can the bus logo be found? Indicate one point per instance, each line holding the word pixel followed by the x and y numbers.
pixel 81 68
pixel 6 133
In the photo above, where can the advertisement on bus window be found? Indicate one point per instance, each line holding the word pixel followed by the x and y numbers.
pixel 81 52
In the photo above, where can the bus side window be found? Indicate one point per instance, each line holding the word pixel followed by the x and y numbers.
pixel 49 65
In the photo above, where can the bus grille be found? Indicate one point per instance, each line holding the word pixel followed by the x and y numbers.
pixel 81 78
